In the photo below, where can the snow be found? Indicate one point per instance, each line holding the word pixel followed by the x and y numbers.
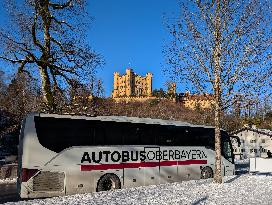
pixel 240 189
pixel 8 181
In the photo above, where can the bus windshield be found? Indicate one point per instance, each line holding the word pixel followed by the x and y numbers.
pixel 227 150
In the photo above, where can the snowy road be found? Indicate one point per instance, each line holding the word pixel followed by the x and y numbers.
pixel 240 189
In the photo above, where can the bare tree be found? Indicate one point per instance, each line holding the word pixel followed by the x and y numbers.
pixel 48 36
pixel 22 96
pixel 3 87
pixel 100 88
pixel 222 47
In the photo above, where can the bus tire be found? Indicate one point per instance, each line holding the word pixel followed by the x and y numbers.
pixel 108 182
pixel 206 173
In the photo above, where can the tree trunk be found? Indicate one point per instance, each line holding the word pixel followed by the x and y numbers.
pixel 217 175
pixel 217 91
pixel 46 88
pixel 46 84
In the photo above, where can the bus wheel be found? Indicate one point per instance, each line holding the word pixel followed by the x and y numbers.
pixel 108 182
pixel 206 173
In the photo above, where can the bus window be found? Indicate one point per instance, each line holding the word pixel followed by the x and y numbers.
pixel 99 133
pixel 113 133
pixel 186 136
pixel 57 134
pixel 167 136
pixel 131 134
pixel 181 136
pixel 202 137
pixel 227 150
pixel 122 133
pixel 148 134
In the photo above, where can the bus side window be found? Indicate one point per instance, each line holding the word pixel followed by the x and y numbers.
pixel 147 134
pixel 131 134
pixel 181 136
pixel 167 135
pixel 113 132
pixel 99 133
pixel 58 134
pixel 187 136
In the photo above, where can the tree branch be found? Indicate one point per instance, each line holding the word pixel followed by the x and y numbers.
pixel 61 6
pixel 34 37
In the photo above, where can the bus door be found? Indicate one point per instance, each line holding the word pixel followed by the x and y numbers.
pixel 227 159
pixel 228 167
pixel 168 166
pixel 168 139
pixel 151 166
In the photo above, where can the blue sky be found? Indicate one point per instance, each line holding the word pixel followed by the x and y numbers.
pixel 130 33
pixel 127 33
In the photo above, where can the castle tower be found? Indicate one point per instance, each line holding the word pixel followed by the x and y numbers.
pixel 173 88
pixel 115 92
pixel 129 76
pixel 149 84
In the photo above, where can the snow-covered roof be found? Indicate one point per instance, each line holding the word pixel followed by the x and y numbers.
pixel 266 131
pixel 127 119
pixel 259 131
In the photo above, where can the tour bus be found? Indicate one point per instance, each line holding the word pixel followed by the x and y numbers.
pixel 65 154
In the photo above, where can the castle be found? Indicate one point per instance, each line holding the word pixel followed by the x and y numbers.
pixel 131 85
pixel 193 101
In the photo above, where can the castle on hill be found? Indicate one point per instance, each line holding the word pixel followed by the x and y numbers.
pixel 132 87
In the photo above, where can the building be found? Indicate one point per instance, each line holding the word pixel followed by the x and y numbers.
pixel 131 86
pixel 254 142
pixel 194 101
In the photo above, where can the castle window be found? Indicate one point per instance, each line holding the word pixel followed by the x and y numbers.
pixel 263 140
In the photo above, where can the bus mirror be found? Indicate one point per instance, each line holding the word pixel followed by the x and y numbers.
pixel 238 140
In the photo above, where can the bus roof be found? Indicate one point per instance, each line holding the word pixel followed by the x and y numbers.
pixel 124 119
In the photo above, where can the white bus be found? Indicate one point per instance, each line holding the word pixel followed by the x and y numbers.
pixel 63 154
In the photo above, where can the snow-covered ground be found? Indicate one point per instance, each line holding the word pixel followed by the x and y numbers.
pixel 242 189
pixel 8 181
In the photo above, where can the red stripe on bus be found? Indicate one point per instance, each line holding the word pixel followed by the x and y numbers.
pixel 140 164
pixel 188 162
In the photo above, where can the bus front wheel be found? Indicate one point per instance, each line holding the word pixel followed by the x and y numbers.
pixel 206 173
pixel 108 182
